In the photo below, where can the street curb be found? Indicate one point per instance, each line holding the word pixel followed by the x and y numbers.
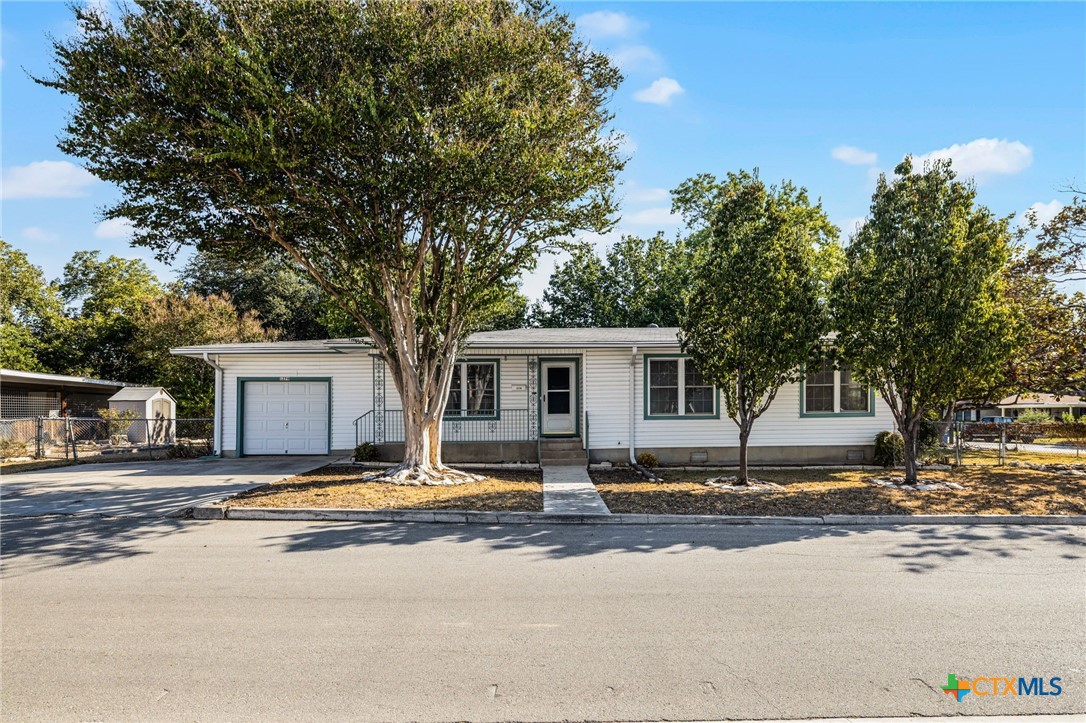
pixel 222 512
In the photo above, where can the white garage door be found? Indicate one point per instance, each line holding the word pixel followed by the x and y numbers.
pixel 285 418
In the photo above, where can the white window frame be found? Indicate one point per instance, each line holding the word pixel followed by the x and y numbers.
pixel 682 413
pixel 462 412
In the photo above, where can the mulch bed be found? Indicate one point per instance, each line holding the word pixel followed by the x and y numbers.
pixel 985 490
pixel 503 490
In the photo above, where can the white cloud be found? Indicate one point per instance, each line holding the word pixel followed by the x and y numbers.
pixel 656 217
pixel 626 145
pixel 850 226
pixel 46 179
pixel 984 157
pixel 855 156
pixel 608 24
pixel 1045 212
pixel 114 228
pixel 37 234
pixel 660 92
pixel 637 58
pixel 648 195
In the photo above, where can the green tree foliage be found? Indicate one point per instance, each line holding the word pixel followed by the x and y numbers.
pixel 413 157
pixel 179 319
pixel 639 282
pixel 754 317
pixel 920 305
pixel 285 297
pixel 31 312
pixel 103 296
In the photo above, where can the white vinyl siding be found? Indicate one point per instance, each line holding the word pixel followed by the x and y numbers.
pixel 351 376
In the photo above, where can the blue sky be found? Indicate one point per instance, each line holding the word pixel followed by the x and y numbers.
pixel 827 95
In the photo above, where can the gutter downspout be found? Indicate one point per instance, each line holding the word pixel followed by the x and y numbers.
pixel 217 433
pixel 633 404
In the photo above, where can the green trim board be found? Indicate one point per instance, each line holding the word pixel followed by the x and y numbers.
pixel 496 417
pixel 576 360
pixel 239 440
pixel 803 413
pixel 670 417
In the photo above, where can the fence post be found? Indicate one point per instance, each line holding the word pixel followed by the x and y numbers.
pixel 147 439
pixel 959 427
pixel 1002 444
pixel 69 435
pixel 39 441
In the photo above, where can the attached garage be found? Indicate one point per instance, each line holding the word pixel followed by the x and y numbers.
pixel 284 416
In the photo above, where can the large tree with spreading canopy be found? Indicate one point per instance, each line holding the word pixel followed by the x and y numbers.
pixel 920 308
pixel 413 157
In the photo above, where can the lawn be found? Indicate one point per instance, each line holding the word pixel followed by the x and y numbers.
pixel 991 456
pixel 341 487
pixel 987 490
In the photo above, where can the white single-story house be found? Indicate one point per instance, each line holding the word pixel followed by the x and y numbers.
pixel 527 394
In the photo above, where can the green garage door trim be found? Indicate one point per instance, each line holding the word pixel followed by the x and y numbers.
pixel 240 443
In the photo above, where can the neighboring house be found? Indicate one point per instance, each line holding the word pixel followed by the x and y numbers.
pixel 32 394
pixel 615 392
pixel 1054 406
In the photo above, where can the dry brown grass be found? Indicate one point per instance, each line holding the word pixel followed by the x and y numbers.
pixel 28 465
pixel 991 457
pixel 503 490
pixel 988 490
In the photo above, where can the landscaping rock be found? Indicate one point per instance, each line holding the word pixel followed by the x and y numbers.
pixel 898 483
pixel 728 484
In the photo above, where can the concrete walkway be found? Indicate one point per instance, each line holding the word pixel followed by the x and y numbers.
pixel 568 489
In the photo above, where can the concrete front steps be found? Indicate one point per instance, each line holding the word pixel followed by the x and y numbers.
pixel 562 451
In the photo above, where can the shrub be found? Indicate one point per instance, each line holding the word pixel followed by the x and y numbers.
pixel 648 459
pixel 366 452
pixel 1068 417
pixel 12 448
pixel 1034 416
pixel 889 449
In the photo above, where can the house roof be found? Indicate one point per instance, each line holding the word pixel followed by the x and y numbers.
pixel 44 381
pixel 1041 400
pixel 592 337
pixel 138 394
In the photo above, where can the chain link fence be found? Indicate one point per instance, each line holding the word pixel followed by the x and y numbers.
pixel 1001 443
pixel 78 438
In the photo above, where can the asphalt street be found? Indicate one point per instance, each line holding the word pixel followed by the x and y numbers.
pixel 136 619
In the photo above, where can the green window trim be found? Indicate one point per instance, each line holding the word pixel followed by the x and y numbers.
pixel 803 413
pixel 239 441
pixel 682 380
pixel 497 415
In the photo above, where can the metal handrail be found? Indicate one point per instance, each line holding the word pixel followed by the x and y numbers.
pixel 357 429
pixel 505 425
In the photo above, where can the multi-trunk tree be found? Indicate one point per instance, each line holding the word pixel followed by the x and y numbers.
pixel 920 306
pixel 755 316
pixel 413 157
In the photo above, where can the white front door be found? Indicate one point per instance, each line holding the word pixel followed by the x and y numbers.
pixel 285 418
pixel 559 387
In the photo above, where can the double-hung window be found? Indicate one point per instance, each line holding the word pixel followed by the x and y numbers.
pixel 675 388
pixel 474 390
pixel 829 390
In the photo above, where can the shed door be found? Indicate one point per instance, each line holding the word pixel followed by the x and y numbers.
pixel 285 418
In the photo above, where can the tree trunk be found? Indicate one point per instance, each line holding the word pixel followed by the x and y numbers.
pixel 909 437
pixel 424 389
pixel 744 437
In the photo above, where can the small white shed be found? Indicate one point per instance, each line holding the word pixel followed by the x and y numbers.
pixel 153 404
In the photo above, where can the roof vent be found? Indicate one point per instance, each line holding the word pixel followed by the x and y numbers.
pixel 653 326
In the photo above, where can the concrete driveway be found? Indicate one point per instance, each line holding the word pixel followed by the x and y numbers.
pixel 141 489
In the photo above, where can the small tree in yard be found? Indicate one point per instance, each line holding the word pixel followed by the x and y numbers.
pixel 754 316
pixel 413 157
pixel 919 306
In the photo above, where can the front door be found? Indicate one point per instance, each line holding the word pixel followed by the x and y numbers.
pixel 559 397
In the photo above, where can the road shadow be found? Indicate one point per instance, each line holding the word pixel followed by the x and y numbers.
pixel 922 548
pixel 37 543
